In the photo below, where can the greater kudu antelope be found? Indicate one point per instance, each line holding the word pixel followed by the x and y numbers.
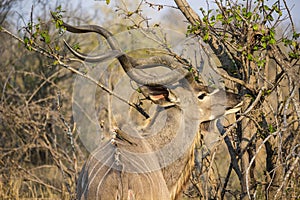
pixel 112 172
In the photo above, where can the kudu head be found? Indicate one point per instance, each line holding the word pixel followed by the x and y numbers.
pixel 141 160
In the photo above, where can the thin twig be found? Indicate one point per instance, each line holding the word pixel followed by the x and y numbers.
pixel 253 158
pixel 290 16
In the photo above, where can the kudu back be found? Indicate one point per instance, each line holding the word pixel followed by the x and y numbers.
pixel 114 171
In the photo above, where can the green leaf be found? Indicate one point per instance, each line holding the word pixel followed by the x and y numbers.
pixel 250 57
pixel 55 62
pixel 287 41
pixel 261 63
pixel 272 129
pixel 270 18
pixel 26 40
pixel 238 18
pixel 266 7
pixel 206 37
pixel 248 15
pixel 294 55
pixel 294 43
pixel 272 41
pixel 296 35
pixel 256 17
pixel 230 19
pixel 244 10
pixel 46 37
pixel 219 16
pixel 202 11
pixel 255 27
pixel 58 8
pixel 272 33
pixel 240 48
pixel 277 9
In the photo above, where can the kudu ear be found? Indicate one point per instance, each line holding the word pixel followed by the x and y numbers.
pixel 160 95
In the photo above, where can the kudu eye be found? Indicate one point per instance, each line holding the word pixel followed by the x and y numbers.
pixel 201 96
